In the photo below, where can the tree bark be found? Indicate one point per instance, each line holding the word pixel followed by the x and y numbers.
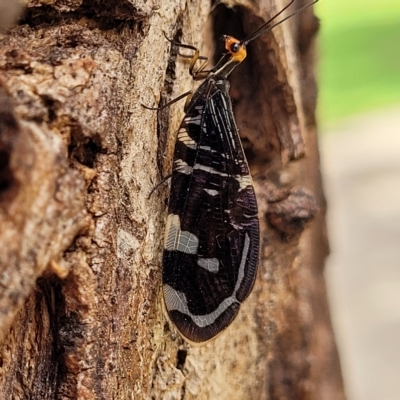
pixel 81 241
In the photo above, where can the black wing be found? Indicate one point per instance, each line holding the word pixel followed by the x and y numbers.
pixel 212 231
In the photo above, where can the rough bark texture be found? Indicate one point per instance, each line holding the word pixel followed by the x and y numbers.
pixel 80 303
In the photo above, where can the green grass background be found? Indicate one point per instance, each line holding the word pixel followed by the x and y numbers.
pixel 359 66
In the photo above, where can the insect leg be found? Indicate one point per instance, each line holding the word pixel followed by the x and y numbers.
pixel 163 180
pixel 186 94
pixel 197 74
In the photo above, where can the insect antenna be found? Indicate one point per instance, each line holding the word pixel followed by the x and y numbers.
pixel 267 26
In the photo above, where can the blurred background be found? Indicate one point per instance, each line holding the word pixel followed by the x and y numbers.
pixel 359 119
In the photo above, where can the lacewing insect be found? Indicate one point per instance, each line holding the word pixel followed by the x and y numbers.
pixel 212 236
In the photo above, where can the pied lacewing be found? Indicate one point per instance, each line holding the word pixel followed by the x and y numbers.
pixel 212 237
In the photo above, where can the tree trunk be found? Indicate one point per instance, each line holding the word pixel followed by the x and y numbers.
pixel 80 296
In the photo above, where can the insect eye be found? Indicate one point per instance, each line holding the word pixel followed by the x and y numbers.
pixel 235 47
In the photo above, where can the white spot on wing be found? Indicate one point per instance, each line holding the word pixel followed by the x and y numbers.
pixel 206 148
pixel 210 264
pixel 209 169
pixel 246 247
pixel 176 239
pixel 211 192
pixel 244 181
pixel 193 120
pixel 184 138
pixel 175 300
pixel 182 167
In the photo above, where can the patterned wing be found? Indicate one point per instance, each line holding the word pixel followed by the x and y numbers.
pixel 212 231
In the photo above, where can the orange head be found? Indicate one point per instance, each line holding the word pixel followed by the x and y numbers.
pixel 236 49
